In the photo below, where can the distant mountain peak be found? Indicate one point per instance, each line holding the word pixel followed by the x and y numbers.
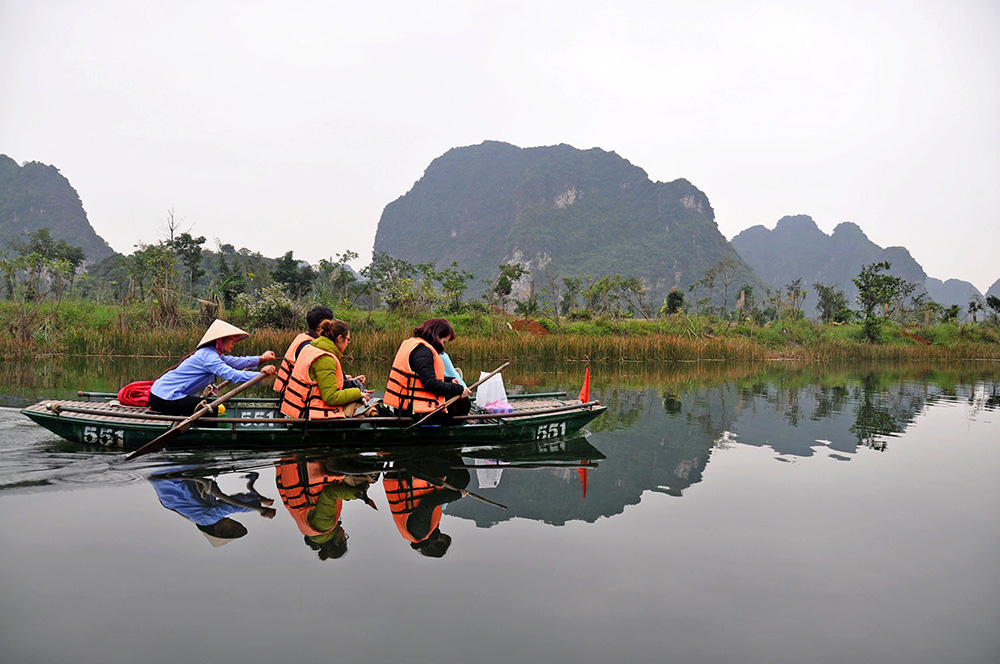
pixel 557 211
pixel 848 228
pixel 798 249
pixel 797 222
pixel 36 196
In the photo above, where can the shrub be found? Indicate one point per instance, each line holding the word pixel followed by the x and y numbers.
pixel 270 307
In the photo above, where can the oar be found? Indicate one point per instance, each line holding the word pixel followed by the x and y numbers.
pixel 442 483
pixel 163 439
pixel 459 396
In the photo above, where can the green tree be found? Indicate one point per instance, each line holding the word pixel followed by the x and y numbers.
pixel 503 285
pixel 454 282
pixel 976 304
pixel 993 302
pixel 49 261
pixel 875 292
pixel 725 271
pixel 189 251
pixel 567 302
pixel 796 297
pixel 230 283
pixel 832 306
pixel 296 276
pixel 674 302
pixel 334 278
pixel 390 279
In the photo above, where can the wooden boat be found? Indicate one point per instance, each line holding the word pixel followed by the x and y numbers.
pixel 257 423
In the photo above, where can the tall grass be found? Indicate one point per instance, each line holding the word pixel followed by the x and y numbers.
pixel 87 329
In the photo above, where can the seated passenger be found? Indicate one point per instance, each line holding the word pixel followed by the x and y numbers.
pixel 316 388
pixel 178 390
pixel 417 383
pixel 314 317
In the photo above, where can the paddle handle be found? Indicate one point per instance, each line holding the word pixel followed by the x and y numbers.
pixel 459 396
pixel 445 485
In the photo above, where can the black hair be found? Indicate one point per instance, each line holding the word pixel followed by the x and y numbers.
pixel 317 315
pixel 433 329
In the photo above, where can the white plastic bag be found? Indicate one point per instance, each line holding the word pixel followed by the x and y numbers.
pixel 490 391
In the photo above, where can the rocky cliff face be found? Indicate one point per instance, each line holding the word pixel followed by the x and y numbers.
pixel 797 248
pixel 36 196
pixel 558 211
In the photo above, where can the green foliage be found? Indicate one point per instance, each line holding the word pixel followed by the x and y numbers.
pixel 271 307
pixel 615 296
pixel 673 303
pixel 189 251
pixel 296 277
pixel 454 282
pixel 875 291
pixel 832 305
pixel 334 278
pixel 503 285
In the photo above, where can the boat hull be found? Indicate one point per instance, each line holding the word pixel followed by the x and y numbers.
pixel 124 428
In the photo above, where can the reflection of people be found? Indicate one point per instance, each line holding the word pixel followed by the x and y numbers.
pixel 201 501
pixel 314 496
pixel 417 494
pixel 314 317
pixel 316 388
pixel 177 391
pixel 417 383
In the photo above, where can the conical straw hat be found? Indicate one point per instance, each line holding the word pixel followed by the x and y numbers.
pixel 220 329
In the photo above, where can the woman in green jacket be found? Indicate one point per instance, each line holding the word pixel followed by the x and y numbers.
pixel 334 336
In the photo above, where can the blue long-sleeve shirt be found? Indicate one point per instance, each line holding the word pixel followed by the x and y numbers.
pixel 195 373
pixel 187 499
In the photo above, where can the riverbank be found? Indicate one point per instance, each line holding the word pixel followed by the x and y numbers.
pixel 86 329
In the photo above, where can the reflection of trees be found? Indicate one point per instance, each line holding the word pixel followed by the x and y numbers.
pixel 873 416
pixel 624 410
pixel 830 401
pixel 992 400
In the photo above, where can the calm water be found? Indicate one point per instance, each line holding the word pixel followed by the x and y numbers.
pixel 713 515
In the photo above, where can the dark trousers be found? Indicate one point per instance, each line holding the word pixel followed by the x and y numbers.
pixel 183 406
pixel 460 407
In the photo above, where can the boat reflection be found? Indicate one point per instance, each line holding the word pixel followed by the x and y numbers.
pixel 418 484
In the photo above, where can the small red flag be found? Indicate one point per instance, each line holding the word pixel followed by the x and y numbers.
pixel 585 390
pixel 583 478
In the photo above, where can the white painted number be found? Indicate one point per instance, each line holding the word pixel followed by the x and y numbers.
pixel 101 436
pixel 553 430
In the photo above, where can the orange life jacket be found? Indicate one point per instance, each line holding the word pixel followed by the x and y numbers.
pixel 404 494
pixel 300 483
pixel 302 397
pixel 287 362
pixel 404 389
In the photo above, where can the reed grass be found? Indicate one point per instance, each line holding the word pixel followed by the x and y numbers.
pixel 87 329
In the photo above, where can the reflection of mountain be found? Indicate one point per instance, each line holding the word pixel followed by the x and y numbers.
pixel 662 439
pixel 650 453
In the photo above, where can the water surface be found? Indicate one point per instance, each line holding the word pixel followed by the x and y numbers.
pixel 774 514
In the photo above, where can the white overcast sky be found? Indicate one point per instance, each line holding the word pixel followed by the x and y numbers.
pixel 290 125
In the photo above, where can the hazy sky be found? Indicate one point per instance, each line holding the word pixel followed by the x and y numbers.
pixel 290 125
